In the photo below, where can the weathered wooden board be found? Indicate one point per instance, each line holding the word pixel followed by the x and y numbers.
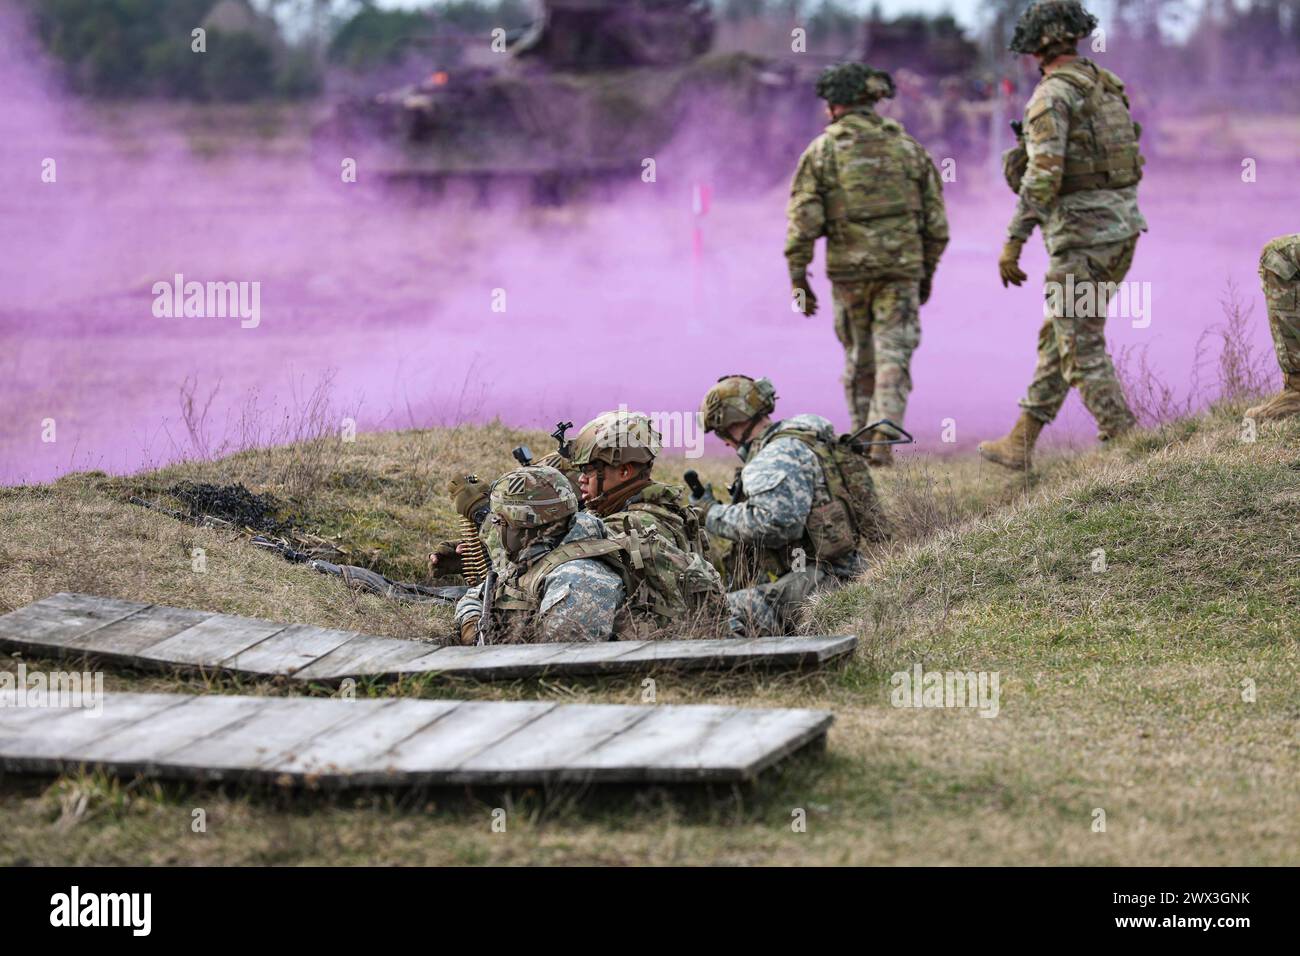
pixel 330 742
pixel 62 618
pixel 81 625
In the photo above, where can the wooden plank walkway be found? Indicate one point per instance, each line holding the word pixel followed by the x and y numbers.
pixel 151 635
pixel 402 742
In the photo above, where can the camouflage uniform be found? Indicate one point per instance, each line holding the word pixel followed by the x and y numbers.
pixel 551 577
pixel 577 601
pixel 875 193
pixel 783 484
pixel 1080 189
pixel 672 550
pixel 1279 270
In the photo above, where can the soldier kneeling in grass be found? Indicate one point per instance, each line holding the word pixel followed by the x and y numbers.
pixel 803 506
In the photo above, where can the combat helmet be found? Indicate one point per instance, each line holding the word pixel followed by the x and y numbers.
pixel 735 400
pixel 1052 27
pixel 846 84
pixel 533 497
pixel 617 438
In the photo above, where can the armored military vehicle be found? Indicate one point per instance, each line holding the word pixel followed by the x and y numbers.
pixel 587 94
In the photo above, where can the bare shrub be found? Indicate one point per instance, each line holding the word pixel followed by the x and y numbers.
pixel 1238 370
pixel 194 413
pixel 918 505
pixel 1153 400
pixel 1242 371
pixel 307 427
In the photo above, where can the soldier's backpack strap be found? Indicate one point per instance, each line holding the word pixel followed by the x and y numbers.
pixel 835 201
pixel 1078 75
pixel 532 580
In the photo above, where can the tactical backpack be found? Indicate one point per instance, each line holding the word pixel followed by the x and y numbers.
pixel 877 183
pixel 1102 150
pixel 853 513
pixel 662 502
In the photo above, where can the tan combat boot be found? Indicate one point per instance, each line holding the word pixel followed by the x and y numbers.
pixel 1016 449
pixel 1282 405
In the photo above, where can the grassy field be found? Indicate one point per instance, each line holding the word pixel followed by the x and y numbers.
pixel 1163 690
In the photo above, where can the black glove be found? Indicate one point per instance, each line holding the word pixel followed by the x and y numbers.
pixel 703 502
pixel 925 288
pixel 446 560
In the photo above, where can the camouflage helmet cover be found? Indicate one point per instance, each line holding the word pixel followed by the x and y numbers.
pixel 617 438
pixel 533 497
pixel 1052 23
pixel 736 399
pixel 848 83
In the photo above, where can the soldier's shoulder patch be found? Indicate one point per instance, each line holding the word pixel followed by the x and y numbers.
pixel 1040 121
pixel 1038 104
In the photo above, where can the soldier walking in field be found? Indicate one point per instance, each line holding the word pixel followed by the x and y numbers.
pixel 875 194
pixel 1082 167
pixel 1279 269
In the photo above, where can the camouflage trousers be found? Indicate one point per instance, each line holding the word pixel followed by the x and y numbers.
pixel 769 609
pixel 1072 348
pixel 878 323
pixel 1279 270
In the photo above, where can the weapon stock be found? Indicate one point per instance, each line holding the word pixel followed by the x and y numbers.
pixel 907 438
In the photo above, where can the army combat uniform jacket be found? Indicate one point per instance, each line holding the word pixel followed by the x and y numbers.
pixel 784 485
pixel 1080 186
pixel 875 194
pixel 1279 270
pixel 575 600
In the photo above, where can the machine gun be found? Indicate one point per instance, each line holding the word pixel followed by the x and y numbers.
pixel 563 446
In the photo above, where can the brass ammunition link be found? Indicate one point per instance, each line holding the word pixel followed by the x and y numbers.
pixel 473 562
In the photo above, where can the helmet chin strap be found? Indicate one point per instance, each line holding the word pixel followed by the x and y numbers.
pixel 602 493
